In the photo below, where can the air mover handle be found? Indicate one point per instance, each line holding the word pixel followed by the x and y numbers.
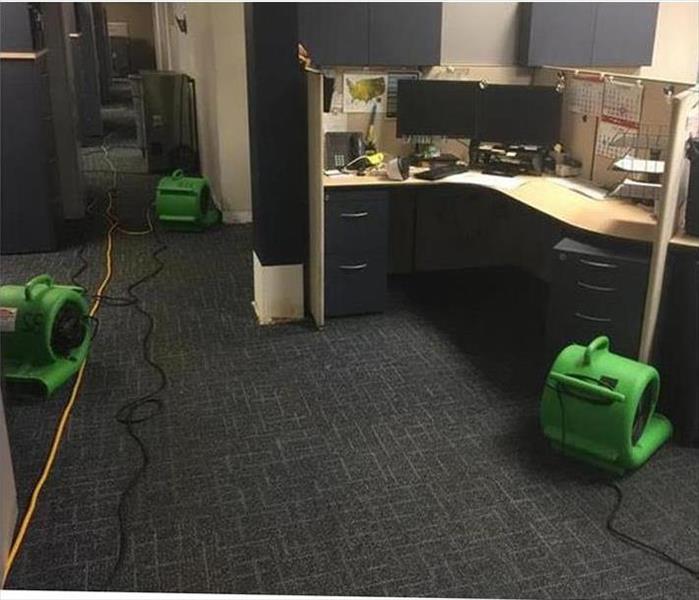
pixel 35 281
pixel 588 391
pixel 599 343
pixel 177 173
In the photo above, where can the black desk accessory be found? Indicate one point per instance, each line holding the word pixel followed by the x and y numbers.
pixel 441 172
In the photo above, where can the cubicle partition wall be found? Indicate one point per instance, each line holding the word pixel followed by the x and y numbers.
pixel 316 208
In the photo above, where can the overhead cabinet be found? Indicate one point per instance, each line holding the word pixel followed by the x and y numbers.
pixel 335 33
pixel 405 33
pixel 380 34
pixel 587 34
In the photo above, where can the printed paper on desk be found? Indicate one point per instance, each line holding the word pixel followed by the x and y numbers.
pixel 585 95
pixel 608 132
pixel 622 101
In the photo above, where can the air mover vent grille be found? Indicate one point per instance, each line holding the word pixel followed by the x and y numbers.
pixel 68 330
pixel 643 413
pixel 205 199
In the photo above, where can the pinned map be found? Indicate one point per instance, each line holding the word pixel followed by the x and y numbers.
pixel 363 91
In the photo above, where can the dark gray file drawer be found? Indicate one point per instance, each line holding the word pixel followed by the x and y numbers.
pixel 602 269
pixel 355 283
pixel 622 303
pixel 581 328
pixel 356 221
pixel 596 291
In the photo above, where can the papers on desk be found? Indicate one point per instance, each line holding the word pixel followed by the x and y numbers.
pixel 492 181
pixel 640 165
pixel 641 190
pixel 581 186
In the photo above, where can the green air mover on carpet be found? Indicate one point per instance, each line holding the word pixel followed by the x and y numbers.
pixel 43 333
pixel 600 407
pixel 184 203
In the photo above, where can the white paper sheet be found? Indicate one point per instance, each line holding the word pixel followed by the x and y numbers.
pixel 494 181
pixel 582 186
pixel 334 122
pixel 640 165
pixel 630 188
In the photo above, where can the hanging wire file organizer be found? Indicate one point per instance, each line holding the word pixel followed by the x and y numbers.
pixel 643 153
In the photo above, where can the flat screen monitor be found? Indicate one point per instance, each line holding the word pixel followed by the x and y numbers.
pixel 519 114
pixel 437 107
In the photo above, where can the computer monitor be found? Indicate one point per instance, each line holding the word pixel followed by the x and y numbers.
pixel 519 114
pixel 437 107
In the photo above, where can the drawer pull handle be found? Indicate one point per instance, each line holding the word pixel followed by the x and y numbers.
pixel 356 215
pixel 354 267
pixel 596 288
pixel 595 319
pixel 594 263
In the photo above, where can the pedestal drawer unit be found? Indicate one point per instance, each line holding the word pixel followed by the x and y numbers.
pixel 356 247
pixel 596 291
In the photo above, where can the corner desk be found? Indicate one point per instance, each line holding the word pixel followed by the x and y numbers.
pixel 360 224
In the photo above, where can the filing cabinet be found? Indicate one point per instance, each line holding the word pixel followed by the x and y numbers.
pixel 356 252
pixel 31 211
pixel 596 291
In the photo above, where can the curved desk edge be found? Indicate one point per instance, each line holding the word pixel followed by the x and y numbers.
pixel 612 217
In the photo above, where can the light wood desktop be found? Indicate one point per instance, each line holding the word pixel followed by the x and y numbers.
pixel 618 218
pixel 615 217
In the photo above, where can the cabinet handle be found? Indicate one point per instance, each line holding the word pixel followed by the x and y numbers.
pixel 596 288
pixel 354 267
pixel 594 263
pixel 595 319
pixel 357 215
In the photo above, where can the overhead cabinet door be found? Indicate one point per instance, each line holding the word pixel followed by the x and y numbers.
pixel 558 33
pixel 405 33
pixel 586 34
pixel 624 34
pixel 335 33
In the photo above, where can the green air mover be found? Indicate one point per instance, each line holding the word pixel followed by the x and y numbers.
pixel 600 407
pixel 43 333
pixel 184 203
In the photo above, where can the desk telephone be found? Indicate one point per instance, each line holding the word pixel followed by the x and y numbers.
pixel 343 147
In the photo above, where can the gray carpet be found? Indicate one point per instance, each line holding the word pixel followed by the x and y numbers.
pixel 393 454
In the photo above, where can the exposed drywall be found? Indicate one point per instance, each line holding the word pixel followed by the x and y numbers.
pixel 212 51
pixel 139 17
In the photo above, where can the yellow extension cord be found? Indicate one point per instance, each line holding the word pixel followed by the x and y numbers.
pixel 65 415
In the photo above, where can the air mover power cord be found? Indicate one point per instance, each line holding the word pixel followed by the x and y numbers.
pixel 147 406
pixel 140 409
pixel 614 485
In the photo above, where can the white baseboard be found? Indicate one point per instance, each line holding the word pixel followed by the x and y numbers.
pixel 231 217
pixel 278 292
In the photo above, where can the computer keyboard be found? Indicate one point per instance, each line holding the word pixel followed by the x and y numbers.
pixel 441 172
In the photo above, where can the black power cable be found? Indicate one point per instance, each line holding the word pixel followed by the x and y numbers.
pixel 148 405
pixel 141 409
pixel 614 485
